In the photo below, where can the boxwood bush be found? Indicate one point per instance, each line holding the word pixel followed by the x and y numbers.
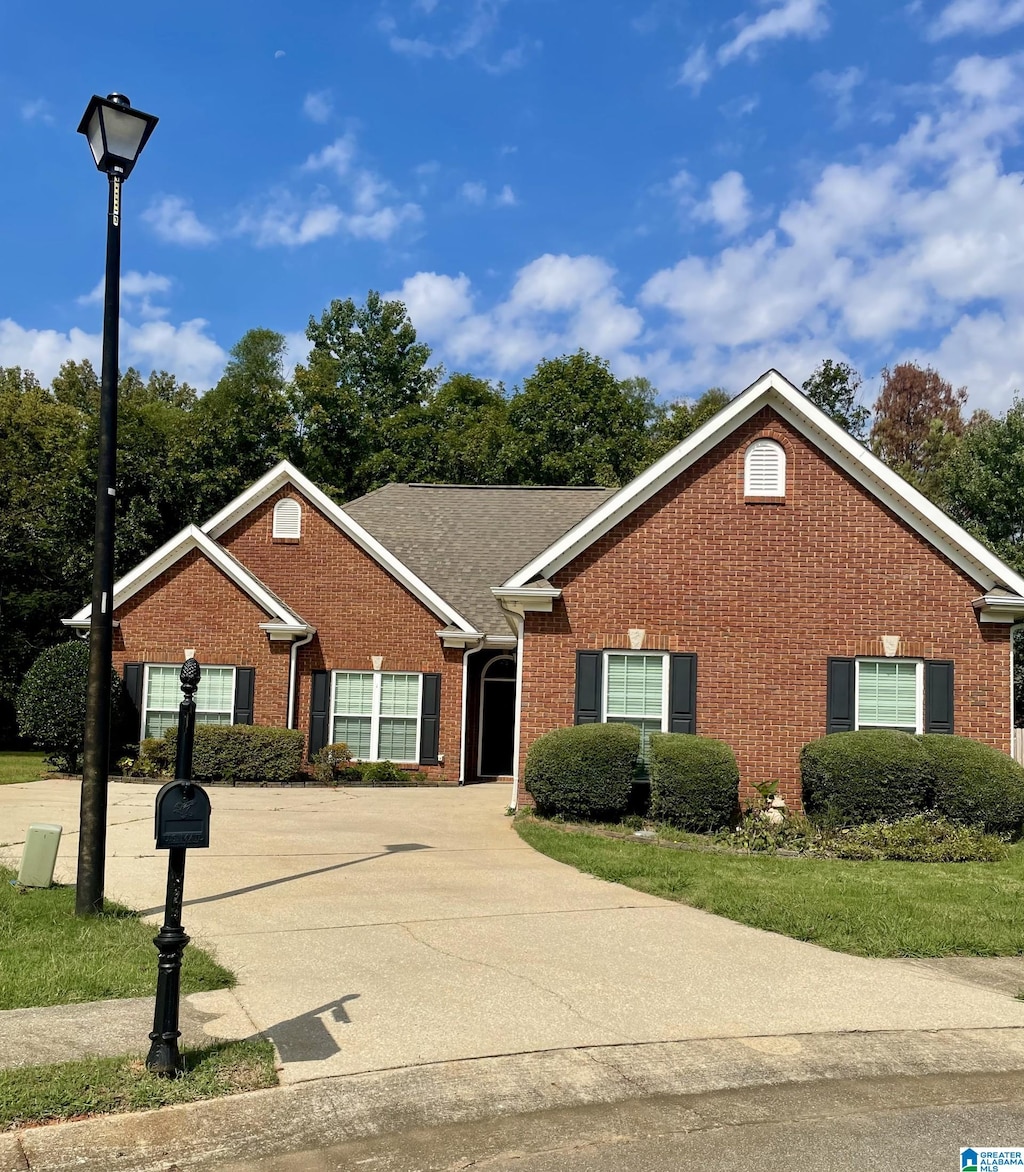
pixel 583 772
pixel 695 782
pixel 867 776
pixel 243 752
pixel 975 784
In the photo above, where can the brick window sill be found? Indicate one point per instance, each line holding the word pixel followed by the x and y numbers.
pixel 286 540
pixel 764 500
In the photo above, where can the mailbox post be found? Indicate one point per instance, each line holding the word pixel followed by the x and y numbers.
pixel 182 820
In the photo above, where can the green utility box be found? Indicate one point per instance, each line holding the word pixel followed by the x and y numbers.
pixel 40 855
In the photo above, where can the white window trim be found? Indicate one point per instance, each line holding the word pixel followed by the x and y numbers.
pixel 277 508
pixel 375 714
pixel 199 711
pixel 919 698
pixel 765 442
pixel 664 685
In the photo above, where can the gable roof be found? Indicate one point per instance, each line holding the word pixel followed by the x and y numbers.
pixel 773 390
pixel 282 617
pixel 466 539
pixel 286 473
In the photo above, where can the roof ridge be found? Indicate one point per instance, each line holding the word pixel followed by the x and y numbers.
pixel 503 487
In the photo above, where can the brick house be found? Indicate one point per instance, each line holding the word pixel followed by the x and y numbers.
pixel 767 581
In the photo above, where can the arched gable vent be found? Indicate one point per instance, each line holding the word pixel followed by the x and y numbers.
pixel 288 518
pixel 765 469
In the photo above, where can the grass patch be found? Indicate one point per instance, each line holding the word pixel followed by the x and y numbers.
pixel 51 957
pixel 16 767
pixel 864 908
pixel 104 1086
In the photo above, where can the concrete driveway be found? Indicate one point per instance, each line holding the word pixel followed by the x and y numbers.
pixel 373 929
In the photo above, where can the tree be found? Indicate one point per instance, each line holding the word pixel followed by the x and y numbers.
pixel 833 387
pixel 51 701
pixel 366 368
pixel 917 422
pixel 574 422
pixel 683 418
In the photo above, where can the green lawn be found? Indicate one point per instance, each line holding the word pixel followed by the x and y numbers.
pixel 869 909
pixel 50 957
pixel 16 766
pixel 102 1086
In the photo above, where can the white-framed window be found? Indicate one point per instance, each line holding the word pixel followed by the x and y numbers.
pixel 890 694
pixel 636 692
pixel 764 469
pixel 377 714
pixel 162 694
pixel 287 518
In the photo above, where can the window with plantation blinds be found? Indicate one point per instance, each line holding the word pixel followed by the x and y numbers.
pixel 215 697
pixel 635 693
pixel 765 469
pixel 377 714
pixel 287 518
pixel 888 694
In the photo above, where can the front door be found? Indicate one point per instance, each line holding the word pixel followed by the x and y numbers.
pixel 497 717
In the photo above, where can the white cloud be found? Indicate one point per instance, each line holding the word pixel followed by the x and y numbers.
pixel 318 106
pixel 506 198
pixel 983 17
pixel 187 349
pixel 806 19
pixel 840 88
pixel 336 157
pixel 792 18
pixel 470 34
pixel 133 285
pixel 282 222
pixel 174 221
pixel 474 193
pixel 728 203
pixel 37 110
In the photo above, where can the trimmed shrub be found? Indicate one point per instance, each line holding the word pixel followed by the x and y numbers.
pixel 383 773
pixel 867 776
pixel 243 752
pixel 51 704
pixel 976 784
pixel 695 782
pixel 329 761
pixel 583 772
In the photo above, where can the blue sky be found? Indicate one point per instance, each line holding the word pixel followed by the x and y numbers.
pixel 696 192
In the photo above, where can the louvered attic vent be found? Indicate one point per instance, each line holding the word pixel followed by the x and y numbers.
pixel 287 518
pixel 765 469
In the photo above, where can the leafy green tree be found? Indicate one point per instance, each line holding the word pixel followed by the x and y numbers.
pixel 917 422
pixel 682 418
pixel 51 701
pixel 574 422
pixel 365 369
pixel 833 387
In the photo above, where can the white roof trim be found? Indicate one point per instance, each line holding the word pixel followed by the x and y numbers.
pixel 173 551
pixel 772 389
pixel 286 473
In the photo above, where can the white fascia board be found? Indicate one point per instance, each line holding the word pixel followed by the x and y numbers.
pixel 456 637
pixel 286 473
pixel 173 551
pixel 774 390
pixel 999 608
pixel 284 632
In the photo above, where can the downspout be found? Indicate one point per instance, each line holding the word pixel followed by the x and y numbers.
pixel 1013 688
pixel 465 706
pixel 520 631
pixel 293 660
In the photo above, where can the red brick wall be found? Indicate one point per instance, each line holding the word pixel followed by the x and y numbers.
pixel 194 605
pixel 359 611
pixel 764 594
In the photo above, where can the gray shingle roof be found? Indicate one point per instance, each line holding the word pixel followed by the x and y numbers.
pixel 464 539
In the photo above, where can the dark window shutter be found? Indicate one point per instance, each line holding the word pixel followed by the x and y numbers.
pixel 841 692
pixel 133 673
pixel 430 718
pixel 320 701
pixel 245 688
pixel 682 694
pixel 588 687
pixel 938 695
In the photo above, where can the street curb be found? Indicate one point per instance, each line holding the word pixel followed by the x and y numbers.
pixel 314 1114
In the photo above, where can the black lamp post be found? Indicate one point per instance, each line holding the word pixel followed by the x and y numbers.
pixel 116 135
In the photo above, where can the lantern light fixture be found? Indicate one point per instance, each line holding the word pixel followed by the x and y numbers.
pixel 116 133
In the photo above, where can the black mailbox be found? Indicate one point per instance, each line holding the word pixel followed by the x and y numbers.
pixel 182 816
